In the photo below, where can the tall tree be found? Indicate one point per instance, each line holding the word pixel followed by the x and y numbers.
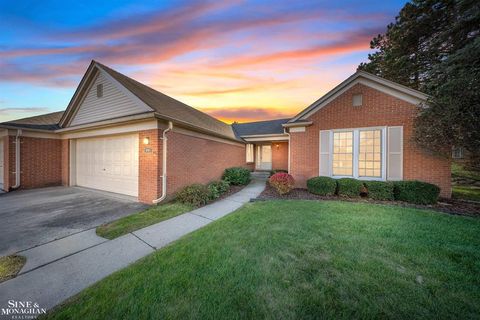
pixel 433 47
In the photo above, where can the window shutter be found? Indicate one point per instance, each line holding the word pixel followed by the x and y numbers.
pixel 395 153
pixel 324 166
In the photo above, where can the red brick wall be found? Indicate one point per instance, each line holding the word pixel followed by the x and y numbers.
pixel 379 109
pixel 198 160
pixel 280 155
pixel 40 161
pixel 150 166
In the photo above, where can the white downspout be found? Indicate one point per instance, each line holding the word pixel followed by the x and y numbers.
pixel 17 159
pixel 164 163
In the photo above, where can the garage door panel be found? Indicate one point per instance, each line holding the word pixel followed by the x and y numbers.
pixel 109 164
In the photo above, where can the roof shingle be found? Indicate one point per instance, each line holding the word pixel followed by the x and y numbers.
pixel 47 121
pixel 259 127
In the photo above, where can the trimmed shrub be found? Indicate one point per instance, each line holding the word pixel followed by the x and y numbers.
pixel 324 186
pixel 217 188
pixel 195 195
pixel 236 176
pixel 282 182
pixel 349 187
pixel 415 191
pixel 272 172
pixel 380 190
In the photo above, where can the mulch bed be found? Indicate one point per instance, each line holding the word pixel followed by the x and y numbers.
pixel 231 191
pixel 450 206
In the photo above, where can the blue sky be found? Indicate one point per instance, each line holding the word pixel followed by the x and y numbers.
pixel 237 60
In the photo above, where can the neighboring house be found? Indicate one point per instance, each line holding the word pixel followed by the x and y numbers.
pixel 121 136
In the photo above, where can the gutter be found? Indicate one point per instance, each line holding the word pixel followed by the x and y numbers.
pixel 164 163
pixel 17 159
pixel 297 124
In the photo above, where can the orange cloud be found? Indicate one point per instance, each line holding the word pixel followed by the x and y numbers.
pixel 246 114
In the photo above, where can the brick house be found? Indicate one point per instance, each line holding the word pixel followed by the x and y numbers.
pixel 121 136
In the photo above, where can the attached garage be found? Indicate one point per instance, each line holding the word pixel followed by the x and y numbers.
pixel 108 163
pixel 1 163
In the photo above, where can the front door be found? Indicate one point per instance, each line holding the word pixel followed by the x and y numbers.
pixel 264 157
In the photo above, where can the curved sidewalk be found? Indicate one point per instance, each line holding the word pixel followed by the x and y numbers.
pixel 50 283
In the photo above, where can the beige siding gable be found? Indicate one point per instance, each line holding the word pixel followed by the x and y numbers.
pixel 114 103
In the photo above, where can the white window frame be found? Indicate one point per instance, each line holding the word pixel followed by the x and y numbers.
pixel 356 146
pixel 251 154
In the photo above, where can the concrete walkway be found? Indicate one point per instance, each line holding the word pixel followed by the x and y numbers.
pixel 60 269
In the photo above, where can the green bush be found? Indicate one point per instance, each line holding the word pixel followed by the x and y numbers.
pixel 195 195
pixel 217 188
pixel 272 172
pixel 417 192
pixel 349 187
pixel 324 186
pixel 380 190
pixel 236 176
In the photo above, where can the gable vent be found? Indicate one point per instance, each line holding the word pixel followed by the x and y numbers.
pixel 357 100
pixel 99 90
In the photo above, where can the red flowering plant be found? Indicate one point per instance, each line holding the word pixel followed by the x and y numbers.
pixel 282 182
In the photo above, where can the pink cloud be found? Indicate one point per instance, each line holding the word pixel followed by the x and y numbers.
pixel 247 113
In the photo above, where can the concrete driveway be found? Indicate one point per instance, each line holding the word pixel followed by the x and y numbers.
pixel 29 218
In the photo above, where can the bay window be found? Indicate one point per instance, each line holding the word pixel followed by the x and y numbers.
pixel 357 153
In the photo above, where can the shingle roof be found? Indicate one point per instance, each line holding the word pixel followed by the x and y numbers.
pixel 259 127
pixel 47 121
pixel 171 108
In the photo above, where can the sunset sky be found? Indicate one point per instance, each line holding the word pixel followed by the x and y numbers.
pixel 236 60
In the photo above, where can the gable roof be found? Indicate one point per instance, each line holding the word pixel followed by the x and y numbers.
pixel 368 79
pixel 47 121
pixel 165 107
pixel 259 127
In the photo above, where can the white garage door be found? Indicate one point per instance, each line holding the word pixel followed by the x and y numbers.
pixel 1 164
pixel 109 164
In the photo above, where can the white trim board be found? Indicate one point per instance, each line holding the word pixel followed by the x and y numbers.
pixel 119 129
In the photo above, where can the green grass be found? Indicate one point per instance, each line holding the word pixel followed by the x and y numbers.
pixel 10 266
pixel 466 192
pixel 301 260
pixel 459 171
pixel 465 187
pixel 142 219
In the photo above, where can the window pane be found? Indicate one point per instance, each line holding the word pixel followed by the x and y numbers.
pixel 343 153
pixel 370 154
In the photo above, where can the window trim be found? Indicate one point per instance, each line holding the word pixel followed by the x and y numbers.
pixel 356 146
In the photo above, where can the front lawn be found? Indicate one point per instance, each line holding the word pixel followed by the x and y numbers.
pixel 466 183
pixel 142 219
pixel 301 259
pixel 471 193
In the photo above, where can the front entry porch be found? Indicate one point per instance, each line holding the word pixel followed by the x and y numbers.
pixel 269 155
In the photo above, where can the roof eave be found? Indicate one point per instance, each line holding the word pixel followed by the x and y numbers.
pixel 197 128
pixel 401 88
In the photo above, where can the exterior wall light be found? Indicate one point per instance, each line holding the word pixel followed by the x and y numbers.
pixel 146 140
